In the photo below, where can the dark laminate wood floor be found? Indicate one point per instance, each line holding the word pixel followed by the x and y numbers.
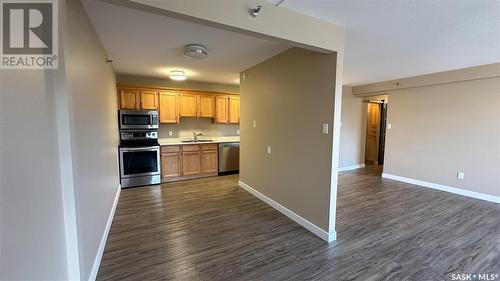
pixel 210 229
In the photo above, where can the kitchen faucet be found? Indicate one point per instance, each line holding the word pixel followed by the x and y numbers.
pixel 196 135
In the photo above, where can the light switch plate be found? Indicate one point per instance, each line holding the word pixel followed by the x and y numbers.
pixel 325 128
pixel 460 175
pixel 389 126
pixel 254 123
pixel 238 132
pixel 268 149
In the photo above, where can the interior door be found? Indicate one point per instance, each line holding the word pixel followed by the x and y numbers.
pixel 372 133
pixel 383 129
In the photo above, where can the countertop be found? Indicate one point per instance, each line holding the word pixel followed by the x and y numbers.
pixel 178 141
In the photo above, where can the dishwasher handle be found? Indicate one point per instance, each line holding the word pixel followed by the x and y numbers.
pixel 229 144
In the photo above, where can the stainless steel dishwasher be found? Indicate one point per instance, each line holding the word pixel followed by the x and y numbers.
pixel 229 157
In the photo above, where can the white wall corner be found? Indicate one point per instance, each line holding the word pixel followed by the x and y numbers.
pixel 332 236
pixel 450 189
pixel 102 245
pixel 293 216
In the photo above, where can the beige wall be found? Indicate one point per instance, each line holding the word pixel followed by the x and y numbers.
pixel 168 83
pixel 58 164
pixel 352 134
pixel 289 103
pixel 94 132
pixel 32 232
pixel 442 129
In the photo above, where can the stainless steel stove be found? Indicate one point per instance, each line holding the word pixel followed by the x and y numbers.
pixel 139 158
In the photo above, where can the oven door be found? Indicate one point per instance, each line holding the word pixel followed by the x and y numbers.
pixel 139 161
pixel 138 119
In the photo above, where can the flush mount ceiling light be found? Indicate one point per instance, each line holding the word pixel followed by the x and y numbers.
pixel 195 51
pixel 177 75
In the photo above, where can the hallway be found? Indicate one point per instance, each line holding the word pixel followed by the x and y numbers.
pixel 211 229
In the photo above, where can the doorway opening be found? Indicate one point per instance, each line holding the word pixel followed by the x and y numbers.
pixel 376 130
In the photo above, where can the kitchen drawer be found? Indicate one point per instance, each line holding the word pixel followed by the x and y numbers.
pixel 209 146
pixel 170 149
pixel 190 147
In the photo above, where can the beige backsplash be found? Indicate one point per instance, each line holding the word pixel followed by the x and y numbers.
pixel 203 125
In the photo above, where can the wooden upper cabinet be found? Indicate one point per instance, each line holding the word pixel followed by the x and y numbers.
pixel 234 110
pixel 149 100
pixel 128 99
pixel 221 109
pixel 224 109
pixel 206 106
pixel 188 106
pixel 169 107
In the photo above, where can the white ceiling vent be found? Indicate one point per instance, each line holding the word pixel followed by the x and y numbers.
pixel 195 51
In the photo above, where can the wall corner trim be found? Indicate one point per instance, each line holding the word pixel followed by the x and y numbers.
pixel 328 237
pixel 353 167
pixel 450 189
pixel 102 245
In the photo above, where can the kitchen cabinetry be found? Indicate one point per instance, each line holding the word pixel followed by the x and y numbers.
pixel 221 109
pixel 173 104
pixel 179 162
pixel 227 110
pixel 148 100
pixel 234 110
pixel 209 158
pixel 138 99
pixel 206 106
pixel 170 162
pixel 128 99
pixel 191 161
pixel 169 107
pixel 188 105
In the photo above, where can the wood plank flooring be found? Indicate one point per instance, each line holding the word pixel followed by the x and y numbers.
pixel 210 229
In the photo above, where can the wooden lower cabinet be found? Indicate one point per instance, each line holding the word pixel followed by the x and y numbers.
pixel 191 162
pixel 171 162
pixel 209 158
pixel 179 162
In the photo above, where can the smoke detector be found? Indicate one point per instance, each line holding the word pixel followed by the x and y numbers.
pixel 195 51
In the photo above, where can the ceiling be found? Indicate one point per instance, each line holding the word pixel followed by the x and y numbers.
pixel 392 39
pixel 146 44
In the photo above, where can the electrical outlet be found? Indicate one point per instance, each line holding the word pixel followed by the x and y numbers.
pixel 325 128
pixel 238 132
pixel 460 175
pixel 268 149
pixel 254 124
pixel 170 133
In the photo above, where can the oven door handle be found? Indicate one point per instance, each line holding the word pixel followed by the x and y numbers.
pixel 147 148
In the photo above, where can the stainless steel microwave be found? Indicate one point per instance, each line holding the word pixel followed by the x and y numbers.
pixel 138 119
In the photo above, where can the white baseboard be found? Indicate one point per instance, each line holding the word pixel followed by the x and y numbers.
pixel 455 190
pixel 353 167
pixel 102 245
pixel 293 216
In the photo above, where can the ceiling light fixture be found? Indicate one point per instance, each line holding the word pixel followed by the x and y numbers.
pixel 177 75
pixel 195 51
